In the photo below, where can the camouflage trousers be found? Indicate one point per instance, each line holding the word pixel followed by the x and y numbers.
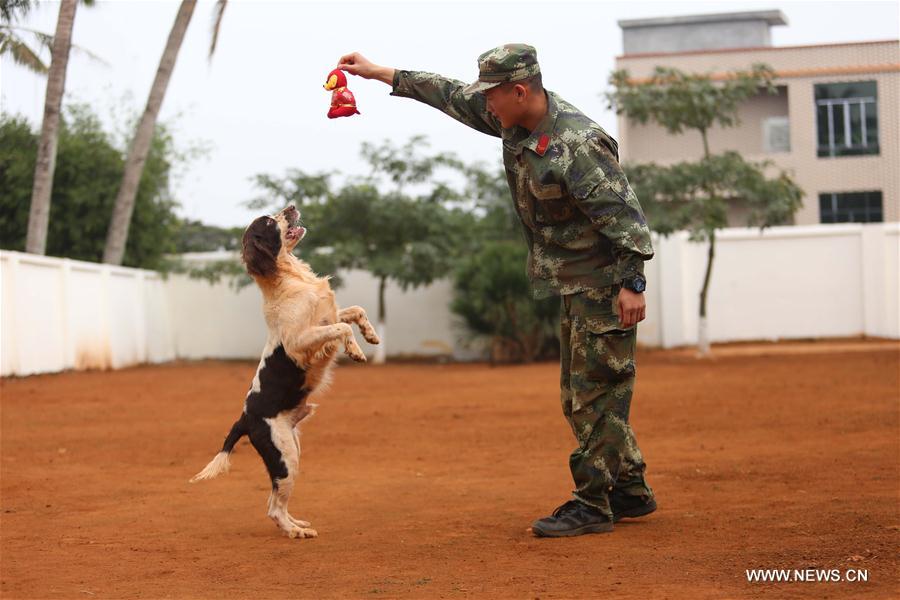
pixel 596 383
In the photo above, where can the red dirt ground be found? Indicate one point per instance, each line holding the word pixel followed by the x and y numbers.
pixel 422 480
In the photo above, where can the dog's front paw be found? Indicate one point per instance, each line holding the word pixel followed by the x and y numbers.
pixel 353 350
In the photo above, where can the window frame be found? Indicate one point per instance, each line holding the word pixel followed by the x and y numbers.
pixel 846 148
pixel 869 209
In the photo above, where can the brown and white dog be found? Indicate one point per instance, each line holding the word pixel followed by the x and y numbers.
pixel 306 331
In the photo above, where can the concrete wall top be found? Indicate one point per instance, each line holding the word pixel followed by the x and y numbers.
pixel 772 17
pixel 700 32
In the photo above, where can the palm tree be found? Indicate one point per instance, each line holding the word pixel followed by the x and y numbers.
pixel 117 236
pixel 38 218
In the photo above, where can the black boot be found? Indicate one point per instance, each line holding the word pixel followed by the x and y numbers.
pixel 625 506
pixel 572 518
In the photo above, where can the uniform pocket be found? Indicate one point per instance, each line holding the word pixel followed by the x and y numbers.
pixel 601 324
pixel 596 309
pixel 552 206
pixel 603 353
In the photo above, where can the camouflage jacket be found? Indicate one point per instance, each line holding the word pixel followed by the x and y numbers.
pixel 583 224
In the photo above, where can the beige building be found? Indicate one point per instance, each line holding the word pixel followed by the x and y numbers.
pixel 834 124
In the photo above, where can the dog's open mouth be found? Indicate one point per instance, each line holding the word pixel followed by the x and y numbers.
pixel 295 231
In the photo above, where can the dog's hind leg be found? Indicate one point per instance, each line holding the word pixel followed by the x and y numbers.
pixel 285 437
pixel 276 443
pixel 357 314
pixel 296 434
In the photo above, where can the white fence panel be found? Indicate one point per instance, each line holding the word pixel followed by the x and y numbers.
pixel 35 322
pixel 87 310
pixel 160 336
pixel 214 320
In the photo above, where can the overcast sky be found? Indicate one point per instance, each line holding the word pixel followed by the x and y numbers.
pixel 260 107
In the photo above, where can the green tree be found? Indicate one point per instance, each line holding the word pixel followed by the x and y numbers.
pixel 195 236
pixel 89 168
pixel 696 195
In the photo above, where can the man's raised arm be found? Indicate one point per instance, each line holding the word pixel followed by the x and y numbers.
pixel 442 93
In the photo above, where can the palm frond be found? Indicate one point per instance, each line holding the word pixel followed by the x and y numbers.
pixel 10 10
pixel 20 52
pixel 46 41
pixel 89 54
pixel 218 13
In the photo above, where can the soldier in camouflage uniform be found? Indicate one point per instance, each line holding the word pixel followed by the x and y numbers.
pixel 587 240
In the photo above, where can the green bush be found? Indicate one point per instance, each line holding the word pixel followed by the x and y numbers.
pixel 88 173
pixel 493 298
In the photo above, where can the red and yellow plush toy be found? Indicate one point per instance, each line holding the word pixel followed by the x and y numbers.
pixel 343 104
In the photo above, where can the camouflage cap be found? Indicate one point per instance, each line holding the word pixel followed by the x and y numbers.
pixel 510 62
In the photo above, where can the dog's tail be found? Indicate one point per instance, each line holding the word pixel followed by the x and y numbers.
pixel 221 463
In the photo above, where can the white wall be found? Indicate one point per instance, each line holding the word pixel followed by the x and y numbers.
pixel 786 282
pixel 215 320
pixel 59 314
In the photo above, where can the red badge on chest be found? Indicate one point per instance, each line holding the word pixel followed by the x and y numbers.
pixel 542 144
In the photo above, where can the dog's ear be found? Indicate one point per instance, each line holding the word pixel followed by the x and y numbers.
pixel 260 247
pixel 258 259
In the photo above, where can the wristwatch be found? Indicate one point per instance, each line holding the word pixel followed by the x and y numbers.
pixel 635 283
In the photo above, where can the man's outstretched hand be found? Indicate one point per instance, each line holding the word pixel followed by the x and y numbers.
pixel 357 64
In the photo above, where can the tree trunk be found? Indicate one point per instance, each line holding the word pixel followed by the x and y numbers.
pixel 705 143
pixel 381 349
pixel 39 215
pixel 117 236
pixel 703 333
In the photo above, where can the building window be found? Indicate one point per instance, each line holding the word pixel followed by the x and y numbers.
pixel 776 135
pixel 852 207
pixel 847 118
